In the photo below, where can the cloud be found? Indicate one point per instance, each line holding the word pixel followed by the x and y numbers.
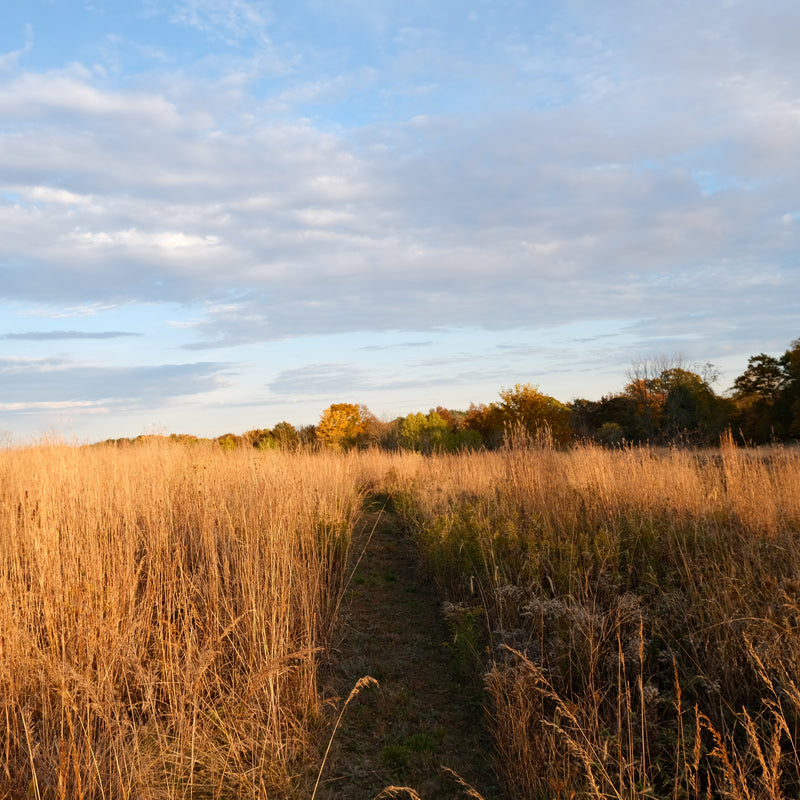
pixel 55 405
pixel 33 382
pixel 230 20
pixel 65 312
pixel 45 336
pixel 612 175
pixel 321 379
pixel 69 95
pixel 337 380
pixel 11 59
pixel 399 346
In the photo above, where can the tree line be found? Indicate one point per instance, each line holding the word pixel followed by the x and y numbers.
pixel 663 402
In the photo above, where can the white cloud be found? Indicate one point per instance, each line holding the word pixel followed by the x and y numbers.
pixel 64 405
pixel 54 380
pixel 49 194
pixel 231 20
pixel 132 238
pixel 32 97
pixel 10 60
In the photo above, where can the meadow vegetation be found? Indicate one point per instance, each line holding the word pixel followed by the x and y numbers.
pixel 162 612
pixel 633 613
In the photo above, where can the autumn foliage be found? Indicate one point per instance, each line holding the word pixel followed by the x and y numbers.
pixel 340 425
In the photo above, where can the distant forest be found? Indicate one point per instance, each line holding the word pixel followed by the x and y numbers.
pixel 663 403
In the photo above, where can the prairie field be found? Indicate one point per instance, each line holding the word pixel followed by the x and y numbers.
pixel 636 613
pixel 632 614
pixel 162 613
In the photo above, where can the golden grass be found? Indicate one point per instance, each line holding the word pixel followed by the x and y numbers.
pixel 643 612
pixel 161 613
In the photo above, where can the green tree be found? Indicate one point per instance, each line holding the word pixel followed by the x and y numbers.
pixel 611 434
pixel 790 394
pixel 760 394
pixel 691 410
pixel 340 425
pixel 487 421
pixel 761 382
pixel 307 435
pixel 671 403
pixel 229 441
pixel 589 417
pixel 425 432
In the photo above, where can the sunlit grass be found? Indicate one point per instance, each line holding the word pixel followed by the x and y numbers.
pixel 161 615
pixel 633 613
pixel 642 609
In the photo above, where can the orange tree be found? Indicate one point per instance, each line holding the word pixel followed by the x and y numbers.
pixel 487 421
pixel 340 425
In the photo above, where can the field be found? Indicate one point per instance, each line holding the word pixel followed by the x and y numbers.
pixel 632 615
pixel 162 610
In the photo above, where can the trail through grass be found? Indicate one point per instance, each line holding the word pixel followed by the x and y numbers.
pixel 426 712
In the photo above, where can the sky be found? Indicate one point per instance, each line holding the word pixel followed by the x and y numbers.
pixel 216 215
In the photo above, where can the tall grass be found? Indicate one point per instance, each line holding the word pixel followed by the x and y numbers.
pixel 161 613
pixel 643 613
pixel 635 614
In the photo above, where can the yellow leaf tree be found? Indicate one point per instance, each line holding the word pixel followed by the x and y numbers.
pixel 340 425
pixel 526 405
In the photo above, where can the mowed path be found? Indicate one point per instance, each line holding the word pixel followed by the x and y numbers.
pixel 423 716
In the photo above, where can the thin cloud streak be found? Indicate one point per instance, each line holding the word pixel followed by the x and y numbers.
pixel 46 336
pixel 49 380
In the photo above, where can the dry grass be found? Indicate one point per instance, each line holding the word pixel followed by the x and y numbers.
pixel 161 613
pixel 162 610
pixel 643 612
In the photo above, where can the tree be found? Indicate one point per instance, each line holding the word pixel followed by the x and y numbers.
pixel 611 434
pixel 229 441
pixel 378 432
pixel 790 394
pixel 487 422
pixel 307 435
pixel 375 432
pixel 670 402
pixel 536 412
pixel 424 433
pixel 758 393
pixel 455 419
pixel 692 411
pixel 340 425
pixel 285 435
pixel 761 382
pixel 768 396
pixel 648 394
pixel 589 417
pixel 260 438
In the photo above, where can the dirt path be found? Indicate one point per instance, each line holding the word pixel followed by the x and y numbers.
pixel 421 717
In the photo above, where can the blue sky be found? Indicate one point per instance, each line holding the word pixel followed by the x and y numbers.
pixel 215 216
